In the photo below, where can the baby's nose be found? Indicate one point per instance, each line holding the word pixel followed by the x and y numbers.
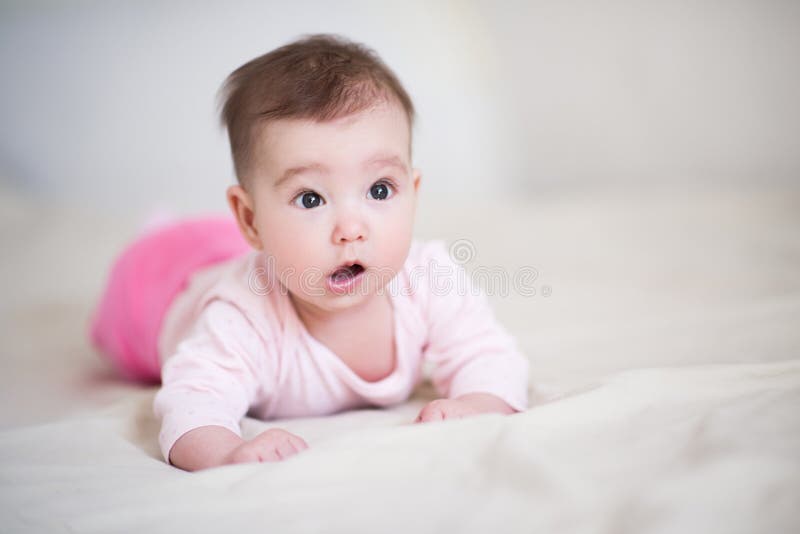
pixel 349 228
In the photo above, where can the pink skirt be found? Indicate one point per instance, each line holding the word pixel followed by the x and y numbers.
pixel 143 282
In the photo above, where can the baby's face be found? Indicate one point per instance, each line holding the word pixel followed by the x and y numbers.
pixel 336 193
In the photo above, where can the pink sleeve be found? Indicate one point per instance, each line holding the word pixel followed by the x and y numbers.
pixel 213 377
pixel 470 351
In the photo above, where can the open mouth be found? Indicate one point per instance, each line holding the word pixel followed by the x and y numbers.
pixel 346 278
pixel 345 273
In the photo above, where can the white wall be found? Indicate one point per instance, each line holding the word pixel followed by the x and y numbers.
pixel 113 103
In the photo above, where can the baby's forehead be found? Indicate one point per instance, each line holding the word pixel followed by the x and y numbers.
pixel 361 136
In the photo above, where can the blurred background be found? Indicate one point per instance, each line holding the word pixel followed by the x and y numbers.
pixel 642 156
pixel 112 104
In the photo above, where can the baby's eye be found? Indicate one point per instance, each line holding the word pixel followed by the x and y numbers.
pixel 381 190
pixel 308 200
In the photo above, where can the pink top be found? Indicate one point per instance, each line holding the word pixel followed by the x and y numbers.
pixel 237 347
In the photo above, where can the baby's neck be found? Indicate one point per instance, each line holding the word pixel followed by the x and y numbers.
pixel 315 318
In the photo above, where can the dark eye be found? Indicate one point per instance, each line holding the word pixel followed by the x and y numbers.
pixel 308 200
pixel 381 191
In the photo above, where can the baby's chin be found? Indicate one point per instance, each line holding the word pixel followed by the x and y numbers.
pixel 324 298
pixel 334 303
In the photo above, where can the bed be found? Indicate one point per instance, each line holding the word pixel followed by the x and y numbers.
pixel 663 329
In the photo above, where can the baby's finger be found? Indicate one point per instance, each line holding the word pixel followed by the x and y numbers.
pixel 431 413
pixel 268 454
pixel 285 449
pixel 298 442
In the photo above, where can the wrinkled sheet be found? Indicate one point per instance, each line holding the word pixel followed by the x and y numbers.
pixel 663 337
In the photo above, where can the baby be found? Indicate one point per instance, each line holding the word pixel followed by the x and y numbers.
pixel 315 299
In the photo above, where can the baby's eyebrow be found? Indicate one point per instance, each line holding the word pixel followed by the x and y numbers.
pixel 380 160
pixel 385 161
pixel 288 174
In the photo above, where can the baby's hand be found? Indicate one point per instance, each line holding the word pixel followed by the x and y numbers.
pixel 463 406
pixel 272 445
pixel 442 409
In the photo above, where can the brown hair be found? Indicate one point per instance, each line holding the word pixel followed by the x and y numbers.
pixel 320 77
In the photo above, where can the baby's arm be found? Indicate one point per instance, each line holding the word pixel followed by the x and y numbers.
pixel 208 386
pixel 477 366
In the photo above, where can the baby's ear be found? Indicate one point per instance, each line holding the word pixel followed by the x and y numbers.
pixel 242 207
pixel 417 177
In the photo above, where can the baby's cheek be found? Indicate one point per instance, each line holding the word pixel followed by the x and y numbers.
pixel 395 240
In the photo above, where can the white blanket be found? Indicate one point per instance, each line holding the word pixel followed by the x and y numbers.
pixel 665 374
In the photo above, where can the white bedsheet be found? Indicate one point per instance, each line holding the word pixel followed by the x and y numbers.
pixel 665 369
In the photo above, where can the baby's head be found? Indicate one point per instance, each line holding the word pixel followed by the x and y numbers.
pixel 320 133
